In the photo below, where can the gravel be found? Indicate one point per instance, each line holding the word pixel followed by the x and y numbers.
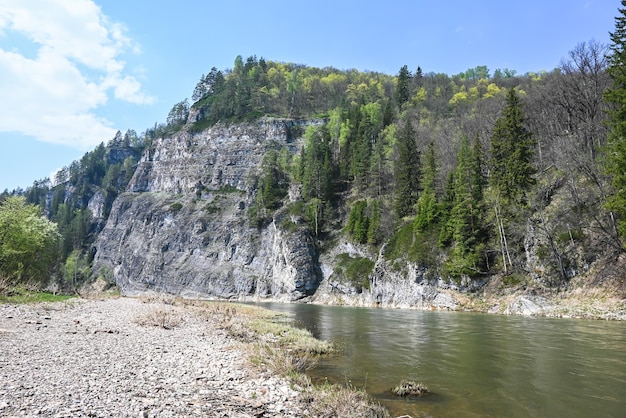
pixel 93 358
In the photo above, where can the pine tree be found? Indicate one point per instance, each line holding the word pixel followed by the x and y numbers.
pixel 616 97
pixel 407 171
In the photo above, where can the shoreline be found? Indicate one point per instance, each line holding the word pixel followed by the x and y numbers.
pixel 160 356
pixel 93 358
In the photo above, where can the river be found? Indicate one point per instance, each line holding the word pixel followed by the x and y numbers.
pixel 474 365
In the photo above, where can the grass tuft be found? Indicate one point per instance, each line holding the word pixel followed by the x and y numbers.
pixel 409 388
pixel 332 400
pixel 161 318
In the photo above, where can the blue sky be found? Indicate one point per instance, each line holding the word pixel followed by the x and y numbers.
pixel 73 72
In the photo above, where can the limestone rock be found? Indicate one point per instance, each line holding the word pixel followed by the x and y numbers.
pixel 182 226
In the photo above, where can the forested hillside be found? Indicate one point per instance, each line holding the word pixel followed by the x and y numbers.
pixel 468 176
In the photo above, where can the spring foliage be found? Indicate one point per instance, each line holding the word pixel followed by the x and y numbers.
pixel 27 241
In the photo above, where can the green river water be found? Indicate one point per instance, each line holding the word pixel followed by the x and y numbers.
pixel 475 365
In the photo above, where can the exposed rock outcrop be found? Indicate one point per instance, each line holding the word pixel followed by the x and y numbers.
pixel 182 227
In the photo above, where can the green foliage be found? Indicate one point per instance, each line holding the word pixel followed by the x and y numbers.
pixel 402 89
pixel 27 241
pixel 571 235
pixel 400 243
pixel 258 87
pixel 512 280
pixel 465 228
pixel 274 182
pixel 176 207
pixel 212 208
pixel 22 295
pixel 316 166
pixel 364 221
pixel 512 147
pixel 355 269
pixel 407 169
pixel 76 269
pixel 373 227
pixel 406 244
pixel 427 209
pixel 616 97
pixel 358 222
pixel 177 116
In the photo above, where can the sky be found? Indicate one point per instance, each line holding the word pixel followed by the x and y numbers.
pixel 74 72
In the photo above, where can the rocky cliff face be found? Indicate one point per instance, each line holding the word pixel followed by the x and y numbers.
pixel 182 225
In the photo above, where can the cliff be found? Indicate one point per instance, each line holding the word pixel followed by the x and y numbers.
pixel 182 226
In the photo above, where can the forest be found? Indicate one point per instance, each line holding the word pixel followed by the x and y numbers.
pixel 457 173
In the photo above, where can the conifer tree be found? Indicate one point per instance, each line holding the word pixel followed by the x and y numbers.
pixel 465 227
pixel 407 171
pixel 403 87
pixel 427 209
pixel 616 96
pixel 512 148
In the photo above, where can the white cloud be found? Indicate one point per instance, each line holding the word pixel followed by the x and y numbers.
pixel 53 94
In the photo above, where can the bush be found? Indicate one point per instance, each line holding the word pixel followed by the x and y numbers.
pixel 176 207
pixel 355 269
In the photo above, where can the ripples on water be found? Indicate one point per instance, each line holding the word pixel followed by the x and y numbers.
pixel 476 365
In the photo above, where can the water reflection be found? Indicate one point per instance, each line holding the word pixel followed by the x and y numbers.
pixel 477 365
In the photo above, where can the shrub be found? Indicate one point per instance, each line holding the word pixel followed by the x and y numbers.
pixel 355 269
pixel 175 207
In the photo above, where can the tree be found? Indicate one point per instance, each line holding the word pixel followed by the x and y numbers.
pixel 426 208
pixel 407 171
pixel 512 145
pixel 403 86
pixel 27 241
pixel 179 113
pixel 465 227
pixel 511 168
pixel 616 97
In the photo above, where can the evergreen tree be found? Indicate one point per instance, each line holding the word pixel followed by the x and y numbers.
pixel 465 227
pixel 374 223
pixel 427 209
pixel 512 171
pixel 616 96
pixel 512 148
pixel 403 87
pixel 407 172
pixel 316 166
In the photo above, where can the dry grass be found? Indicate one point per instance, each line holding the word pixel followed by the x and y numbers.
pixel 280 361
pixel 5 284
pixel 328 401
pixel 161 298
pixel 281 349
pixel 165 318
pixel 410 388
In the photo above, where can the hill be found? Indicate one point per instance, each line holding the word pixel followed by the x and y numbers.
pixel 417 190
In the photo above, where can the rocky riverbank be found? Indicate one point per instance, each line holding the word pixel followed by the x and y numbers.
pixel 107 358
